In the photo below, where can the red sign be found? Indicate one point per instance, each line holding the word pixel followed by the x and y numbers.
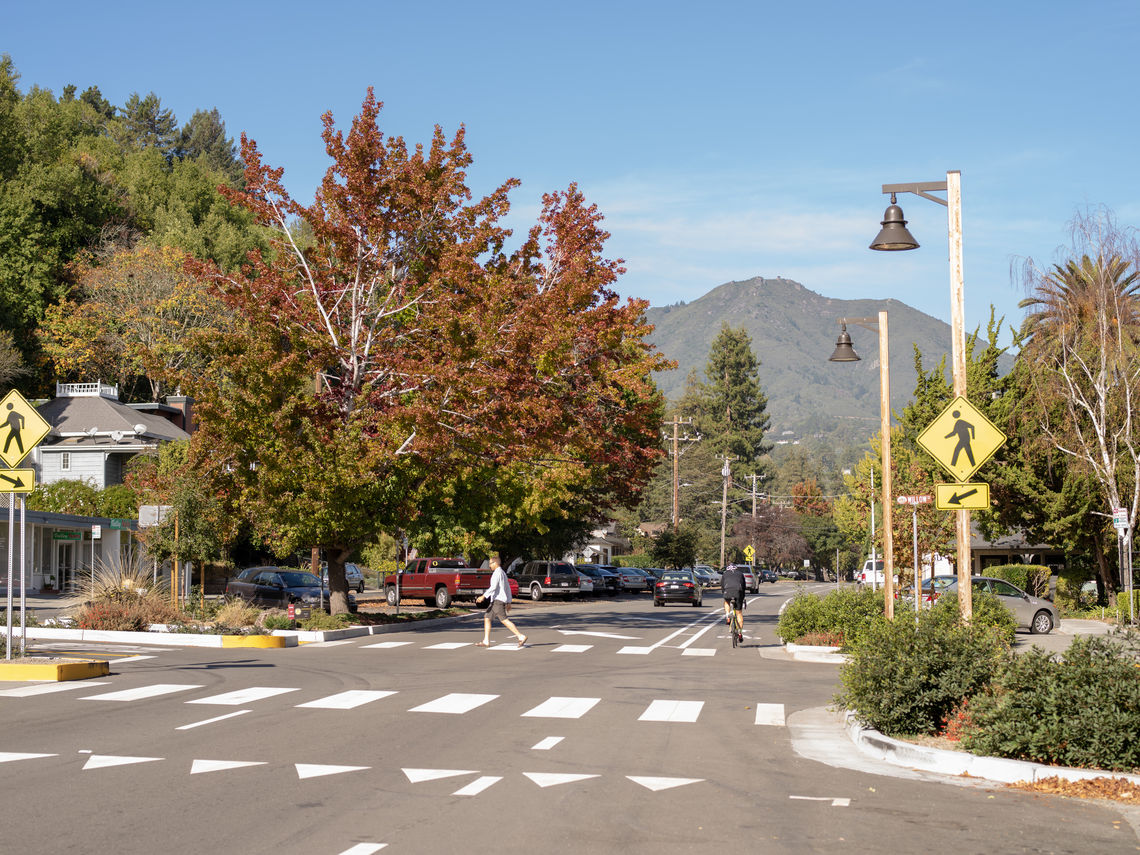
pixel 915 500
pixel 289 611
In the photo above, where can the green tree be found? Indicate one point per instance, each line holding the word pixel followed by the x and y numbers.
pixel 204 138
pixel 733 409
pixel 144 123
pixel 675 549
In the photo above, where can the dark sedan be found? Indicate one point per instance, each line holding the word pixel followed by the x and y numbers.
pixel 277 587
pixel 677 586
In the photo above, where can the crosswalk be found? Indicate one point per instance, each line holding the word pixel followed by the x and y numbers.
pixel 670 710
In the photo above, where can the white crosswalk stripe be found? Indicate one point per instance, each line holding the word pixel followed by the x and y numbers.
pixel 142 692
pixel 683 711
pixel 562 708
pixel 243 696
pixel 456 703
pixel 346 700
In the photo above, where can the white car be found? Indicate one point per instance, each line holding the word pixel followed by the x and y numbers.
pixel 713 574
pixel 585 582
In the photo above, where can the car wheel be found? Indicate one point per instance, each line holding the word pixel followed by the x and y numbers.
pixel 360 588
pixel 1042 623
pixel 390 596
pixel 442 598
pixel 536 592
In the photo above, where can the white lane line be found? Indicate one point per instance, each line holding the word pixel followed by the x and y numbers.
pixel 346 700
pixel 572 648
pixel 47 688
pixel 142 692
pixel 599 634
pixel 699 651
pixel 834 802
pixel 336 643
pixel 553 779
pixel 657 783
pixel 456 703
pixel 547 744
pixel 199 767
pixel 448 645
pixel 386 645
pixel 138 658
pixel 417 776
pixel 477 786
pixel 698 635
pixel 103 761
pixel 675 711
pixel 316 770
pixel 212 720
pixel 636 651
pixel 771 714
pixel 364 849
pixel 562 708
pixel 9 756
pixel 243 696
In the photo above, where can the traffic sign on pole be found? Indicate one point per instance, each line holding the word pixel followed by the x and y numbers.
pixel 21 428
pixel 17 480
pixel 961 439
pixel 962 497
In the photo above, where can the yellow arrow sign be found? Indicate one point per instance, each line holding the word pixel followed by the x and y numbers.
pixel 17 480
pixel 962 497
pixel 961 439
pixel 21 428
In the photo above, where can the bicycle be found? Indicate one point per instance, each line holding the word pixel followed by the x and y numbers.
pixel 736 628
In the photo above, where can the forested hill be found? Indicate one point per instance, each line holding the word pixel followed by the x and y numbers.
pixel 793 333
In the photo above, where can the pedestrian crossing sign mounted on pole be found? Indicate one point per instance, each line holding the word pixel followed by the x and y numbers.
pixel 961 439
pixel 21 428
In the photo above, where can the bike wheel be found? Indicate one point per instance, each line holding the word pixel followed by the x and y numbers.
pixel 735 634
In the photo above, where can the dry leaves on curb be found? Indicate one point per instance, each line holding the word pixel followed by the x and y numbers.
pixel 1117 789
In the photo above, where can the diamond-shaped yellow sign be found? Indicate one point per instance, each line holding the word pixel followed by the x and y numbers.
pixel 961 439
pixel 21 428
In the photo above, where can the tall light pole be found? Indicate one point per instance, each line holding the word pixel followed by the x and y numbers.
pixel 894 237
pixel 844 352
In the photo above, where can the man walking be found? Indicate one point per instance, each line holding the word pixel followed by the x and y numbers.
pixel 499 593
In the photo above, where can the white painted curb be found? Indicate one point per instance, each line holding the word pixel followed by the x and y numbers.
pixel 171 639
pixel 815 653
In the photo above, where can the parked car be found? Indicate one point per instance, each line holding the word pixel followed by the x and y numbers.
pixel 653 573
pixel 767 575
pixel 677 586
pixel 712 572
pixel 605 579
pixel 632 579
pixel 871 574
pixel 585 582
pixel 1037 615
pixel 541 578
pixel 353 575
pixel 277 587
pixel 751 583
pixel 704 576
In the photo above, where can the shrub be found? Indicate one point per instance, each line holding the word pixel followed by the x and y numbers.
pixel 236 614
pixel 323 620
pixel 1082 709
pixel 1120 611
pixel 272 622
pixel 903 679
pixel 988 611
pixel 844 613
pixel 1031 578
pixel 110 615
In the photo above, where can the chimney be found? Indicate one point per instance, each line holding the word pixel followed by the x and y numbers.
pixel 185 405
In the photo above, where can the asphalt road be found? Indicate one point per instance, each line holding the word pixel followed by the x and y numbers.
pixel 619 727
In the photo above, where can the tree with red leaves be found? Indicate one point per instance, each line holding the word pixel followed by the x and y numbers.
pixel 399 348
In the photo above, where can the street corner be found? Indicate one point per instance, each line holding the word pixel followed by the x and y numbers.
pixel 52 670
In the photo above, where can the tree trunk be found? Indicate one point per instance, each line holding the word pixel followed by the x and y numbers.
pixel 338 585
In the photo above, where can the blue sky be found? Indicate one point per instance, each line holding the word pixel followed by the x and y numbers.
pixel 721 140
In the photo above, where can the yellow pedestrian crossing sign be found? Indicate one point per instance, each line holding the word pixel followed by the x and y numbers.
pixel 21 428
pixel 961 439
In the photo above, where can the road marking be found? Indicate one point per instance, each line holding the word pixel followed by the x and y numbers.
pixel 364 849
pixel 676 711
pixel 772 714
pixel 658 784
pixel 138 658
pixel 384 644
pixel 553 779
pixel 599 634
pixel 417 776
pixel 9 756
pixel 47 688
pixel 572 648
pixel 212 720
pixel 103 761
pixel 834 802
pixel 336 643
pixel 456 703
pixel 547 744
pixel 642 651
pixel 448 645
pixel 200 766
pixel 142 692
pixel 243 696
pixel 346 700
pixel 698 635
pixel 699 651
pixel 562 708
pixel 316 770
pixel 506 645
pixel 477 786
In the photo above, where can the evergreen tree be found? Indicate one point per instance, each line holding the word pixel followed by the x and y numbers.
pixel 733 409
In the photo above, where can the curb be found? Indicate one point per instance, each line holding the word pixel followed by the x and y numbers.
pixel 959 763
pixel 815 653
pixel 53 671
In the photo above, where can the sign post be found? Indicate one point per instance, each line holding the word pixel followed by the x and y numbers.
pixel 914 502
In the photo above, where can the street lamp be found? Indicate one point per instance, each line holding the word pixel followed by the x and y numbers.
pixel 894 237
pixel 845 352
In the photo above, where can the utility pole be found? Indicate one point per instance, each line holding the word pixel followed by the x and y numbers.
pixel 677 440
pixel 726 474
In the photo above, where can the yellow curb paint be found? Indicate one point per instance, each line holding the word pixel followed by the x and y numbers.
pixel 54 671
pixel 253 641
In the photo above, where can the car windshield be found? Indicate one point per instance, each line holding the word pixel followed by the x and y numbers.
pixel 300 580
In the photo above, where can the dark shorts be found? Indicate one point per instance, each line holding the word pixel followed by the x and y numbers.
pixel 737 600
pixel 497 609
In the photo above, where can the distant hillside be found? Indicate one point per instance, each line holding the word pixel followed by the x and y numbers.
pixel 793 333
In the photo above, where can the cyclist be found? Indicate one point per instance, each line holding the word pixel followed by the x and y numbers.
pixel 732 587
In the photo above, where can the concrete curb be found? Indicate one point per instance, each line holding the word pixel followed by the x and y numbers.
pixel 53 671
pixel 875 745
pixel 815 653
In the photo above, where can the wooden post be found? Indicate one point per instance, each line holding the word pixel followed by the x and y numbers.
pixel 885 430
pixel 958 340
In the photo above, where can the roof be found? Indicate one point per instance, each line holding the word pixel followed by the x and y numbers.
pixel 91 420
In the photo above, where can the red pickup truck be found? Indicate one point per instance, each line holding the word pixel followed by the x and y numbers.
pixel 437 580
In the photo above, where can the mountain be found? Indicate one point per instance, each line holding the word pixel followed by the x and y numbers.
pixel 793 333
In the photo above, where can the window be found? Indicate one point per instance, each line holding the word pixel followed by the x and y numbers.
pixel 65 461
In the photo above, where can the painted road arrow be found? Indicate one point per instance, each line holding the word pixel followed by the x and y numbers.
pixel 957 497
pixel 17 480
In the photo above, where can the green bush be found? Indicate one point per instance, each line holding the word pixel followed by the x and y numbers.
pixel 1120 611
pixel 902 679
pixel 1082 709
pixel 272 622
pixel 638 559
pixel 1031 578
pixel 845 613
pixel 323 620
pixel 988 611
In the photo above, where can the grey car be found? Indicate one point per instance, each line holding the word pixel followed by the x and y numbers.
pixel 1037 615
